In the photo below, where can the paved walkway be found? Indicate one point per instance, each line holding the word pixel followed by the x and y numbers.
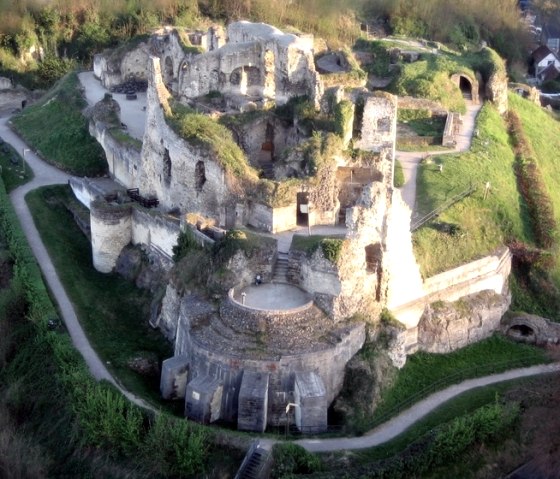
pixel 403 421
pixel 410 160
pixel 49 175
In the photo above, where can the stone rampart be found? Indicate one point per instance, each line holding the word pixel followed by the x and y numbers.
pixel 111 231
pixel 328 364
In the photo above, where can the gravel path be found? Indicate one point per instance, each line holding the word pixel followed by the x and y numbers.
pixel 404 420
pixel 49 175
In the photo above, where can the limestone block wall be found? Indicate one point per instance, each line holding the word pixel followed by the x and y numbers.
pixel 124 161
pixel 179 174
pixel 447 326
pixel 112 68
pixel 404 280
pixel 379 124
pixel 111 231
pixel 155 230
pixel 258 60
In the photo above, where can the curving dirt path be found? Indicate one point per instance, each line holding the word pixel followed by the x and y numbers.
pixel 410 160
pixel 46 174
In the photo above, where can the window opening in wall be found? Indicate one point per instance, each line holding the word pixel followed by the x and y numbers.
pixel 166 166
pixel 373 265
pixel 199 176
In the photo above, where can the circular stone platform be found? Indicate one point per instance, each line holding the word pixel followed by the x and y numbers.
pixel 272 297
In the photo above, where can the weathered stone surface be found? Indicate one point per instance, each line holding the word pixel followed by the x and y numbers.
pixel 445 327
pixel 310 396
pixel 253 402
pixel 203 399
pixel 173 380
pixel 529 328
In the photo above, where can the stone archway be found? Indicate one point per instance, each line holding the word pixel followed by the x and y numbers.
pixel 469 86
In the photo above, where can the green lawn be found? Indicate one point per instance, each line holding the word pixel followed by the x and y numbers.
pixel 486 222
pixel 56 128
pixel 113 312
pixel 14 172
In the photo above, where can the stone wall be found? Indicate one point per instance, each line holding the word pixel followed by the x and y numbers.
pixel 490 273
pixel 327 364
pixel 447 326
pixel 170 165
pixel 123 160
pixel 157 231
pixel 114 67
pixel 111 231
pixel 496 90
pixel 5 83
pixel 258 60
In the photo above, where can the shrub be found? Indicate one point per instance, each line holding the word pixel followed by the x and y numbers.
pixel 293 459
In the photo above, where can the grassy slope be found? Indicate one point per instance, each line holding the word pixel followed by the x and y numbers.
pixel 112 311
pixel 57 129
pixel 486 223
pixel 543 130
pixel 425 373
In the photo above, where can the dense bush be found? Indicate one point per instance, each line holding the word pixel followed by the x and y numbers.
pixel 293 459
pixel 532 187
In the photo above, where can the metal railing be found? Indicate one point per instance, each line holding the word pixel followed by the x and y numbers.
pixel 440 209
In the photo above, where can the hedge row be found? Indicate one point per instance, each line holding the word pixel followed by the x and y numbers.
pixel 532 186
pixel 169 445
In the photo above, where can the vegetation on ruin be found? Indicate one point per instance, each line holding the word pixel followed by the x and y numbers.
pixel 398 179
pixel 57 130
pixel 203 131
pixel 331 246
pixel 186 44
pixel 12 169
pixel 425 373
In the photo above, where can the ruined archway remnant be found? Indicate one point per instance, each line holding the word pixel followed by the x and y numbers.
pixel 469 86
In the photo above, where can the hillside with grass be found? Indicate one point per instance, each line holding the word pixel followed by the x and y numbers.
pixel 56 128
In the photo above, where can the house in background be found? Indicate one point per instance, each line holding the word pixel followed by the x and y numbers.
pixel 544 64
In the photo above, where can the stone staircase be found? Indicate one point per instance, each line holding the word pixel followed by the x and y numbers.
pixel 280 268
pixel 256 464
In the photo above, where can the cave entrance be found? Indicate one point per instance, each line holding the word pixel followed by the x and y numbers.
pixel 302 218
pixel 465 86
pixel 522 332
